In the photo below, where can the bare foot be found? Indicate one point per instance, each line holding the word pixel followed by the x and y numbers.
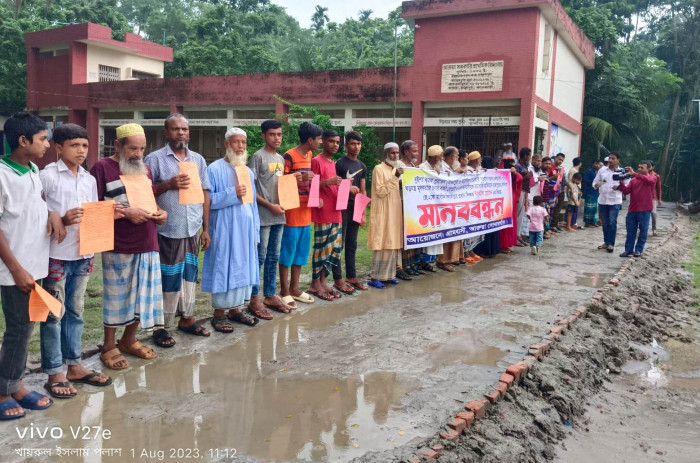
pixel 61 378
pixel 79 371
pixel 22 392
pixel 12 411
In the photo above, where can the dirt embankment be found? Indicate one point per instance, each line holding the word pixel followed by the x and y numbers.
pixel 650 301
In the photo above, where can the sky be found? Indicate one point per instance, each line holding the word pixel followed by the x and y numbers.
pixel 338 10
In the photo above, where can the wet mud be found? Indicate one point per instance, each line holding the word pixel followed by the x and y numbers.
pixel 368 377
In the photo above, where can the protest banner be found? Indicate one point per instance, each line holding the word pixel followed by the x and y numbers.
pixel 441 209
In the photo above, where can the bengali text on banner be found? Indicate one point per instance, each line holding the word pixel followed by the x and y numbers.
pixel 440 209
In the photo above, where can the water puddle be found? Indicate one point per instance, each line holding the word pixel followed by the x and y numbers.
pixel 593 280
pixel 674 364
pixel 464 346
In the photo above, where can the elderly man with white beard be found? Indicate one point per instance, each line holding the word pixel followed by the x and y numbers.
pixel 385 235
pixel 231 266
pixel 131 272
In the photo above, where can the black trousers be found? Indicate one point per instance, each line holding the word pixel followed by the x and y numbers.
pixel 350 231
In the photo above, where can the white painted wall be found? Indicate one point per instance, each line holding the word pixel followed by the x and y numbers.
pixel 568 83
pixel 567 143
pixel 98 55
pixel 544 78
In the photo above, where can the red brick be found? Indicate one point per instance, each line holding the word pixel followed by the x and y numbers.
pixel 493 396
pixel 468 418
pixel 552 337
pixel 582 311
pixel 556 329
pixel 458 424
pixel 429 454
pixel 597 298
pixel 478 408
pixel 414 459
pixel 439 448
pixel 572 318
pixel 535 352
pixel 614 282
pixel 502 388
pixel 507 378
pixel 564 322
pixel 528 362
pixel 449 434
pixel 515 371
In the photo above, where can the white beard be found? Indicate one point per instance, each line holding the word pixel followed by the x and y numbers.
pixel 456 166
pixel 132 167
pixel 236 159
pixel 393 164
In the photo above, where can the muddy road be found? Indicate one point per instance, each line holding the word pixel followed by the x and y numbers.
pixel 334 380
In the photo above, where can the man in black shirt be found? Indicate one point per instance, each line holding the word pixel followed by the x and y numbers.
pixel 350 167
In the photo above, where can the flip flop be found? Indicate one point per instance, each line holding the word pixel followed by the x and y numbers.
pixel 194 329
pixel 31 401
pixel 304 297
pixel 111 357
pixel 404 276
pixel 376 284
pixel 325 297
pixel 7 405
pixel 393 281
pixel 222 325
pixel 87 379
pixel 336 294
pixel 358 285
pixel 263 314
pixel 346 289
pixel 63 384
pixel 281 307
pixel 289 300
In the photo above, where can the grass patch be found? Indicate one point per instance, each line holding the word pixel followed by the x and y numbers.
pixel 92 315
pixel 693 266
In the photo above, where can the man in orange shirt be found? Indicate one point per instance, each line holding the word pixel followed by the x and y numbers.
pixel 296 237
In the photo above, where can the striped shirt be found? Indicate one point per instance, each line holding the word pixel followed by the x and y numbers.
pixel 295 162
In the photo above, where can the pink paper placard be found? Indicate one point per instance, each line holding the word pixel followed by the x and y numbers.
pixel 343 195
pixel 313 194
pixel 361 202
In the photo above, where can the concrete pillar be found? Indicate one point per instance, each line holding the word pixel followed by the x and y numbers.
pixel 417 118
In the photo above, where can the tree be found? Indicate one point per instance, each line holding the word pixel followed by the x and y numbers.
pixel 365 14
pixel 319 18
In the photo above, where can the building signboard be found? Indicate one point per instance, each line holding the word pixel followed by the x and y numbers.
pixel 481 76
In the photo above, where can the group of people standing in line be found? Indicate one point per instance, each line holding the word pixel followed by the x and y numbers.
pixel 150 277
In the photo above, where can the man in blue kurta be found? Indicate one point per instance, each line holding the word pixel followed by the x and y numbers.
pixel 231 263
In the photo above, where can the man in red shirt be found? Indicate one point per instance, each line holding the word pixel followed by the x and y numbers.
pixel 641 192
pixel 328 231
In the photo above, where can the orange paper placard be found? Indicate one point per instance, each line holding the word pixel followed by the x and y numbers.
pixel 243 175
pixel 193 194
pixel 40 303
pixel 97 227
pixel 139 192
pixel 288 192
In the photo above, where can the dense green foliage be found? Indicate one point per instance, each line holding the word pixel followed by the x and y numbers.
pixel 639 97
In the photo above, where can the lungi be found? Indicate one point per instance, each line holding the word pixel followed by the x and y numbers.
pixel 232 299
pixel 590 210
pixel 328 244
pixel 384 264
pixel 132 290
pixel 451 252
pixel 179 267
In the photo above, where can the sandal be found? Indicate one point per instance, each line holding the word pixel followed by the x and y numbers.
pixel 428 267
pixel 303 297
pixel 289 302
pixel 62 384
pixel 403 275
pixel 195 329
pixel 477 258
pixel 244 318
pixel 418 271
pixel 31 401
pixel 336 294
pixel 412 272
pixel 358 285
pixel 393 281
pixel 471 260
pixel 88 379
pixel 446 267
pixel 261 313
pixel 506 251
pixel 281 307
pixel 222 325
pixel 346 289
pixel 6 405
pixel 324 296
pixel 376 284
pixel 112 357
pixel 163 339
pixel 137 349
pixel 603 246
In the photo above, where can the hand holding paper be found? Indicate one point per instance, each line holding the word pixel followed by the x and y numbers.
pixel 193 193
pixel 343 195
pixel 314 193
pixel 288 192
pixel 41 303
pixel 97 227
pixel 361 202
pixel 243 175
pixel 139 192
